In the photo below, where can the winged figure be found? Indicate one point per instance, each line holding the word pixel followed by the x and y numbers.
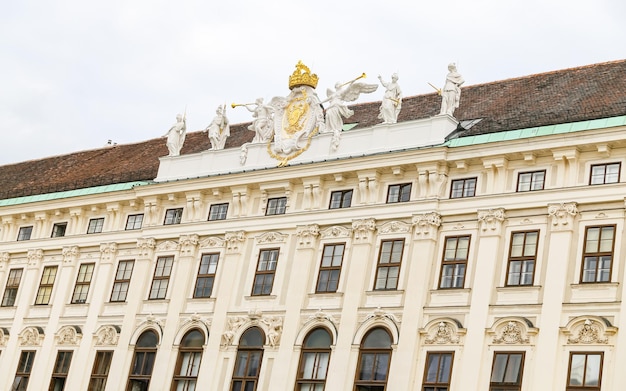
pixel 337 107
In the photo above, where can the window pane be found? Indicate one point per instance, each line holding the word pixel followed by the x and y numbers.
pixel 577 368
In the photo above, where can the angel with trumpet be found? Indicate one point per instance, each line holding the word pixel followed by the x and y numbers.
pixel 337 108
pixel 263 122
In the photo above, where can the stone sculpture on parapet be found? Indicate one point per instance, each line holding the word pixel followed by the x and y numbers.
pixel 219 129
pixel 176 135
pixel 451 91
pixel 392 100
pixel 263 120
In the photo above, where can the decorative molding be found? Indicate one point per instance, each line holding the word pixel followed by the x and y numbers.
pixel 321 316
pixel 274 325
pixel 234 323
pixel 234 239
pixel 442 331
pixel 588 330
pixel 35 257
pixel 4 336
pixel 146 246
pixel 563 215
pixel 188 244
pixel 108 251
pixel 336 232
pixel 69 335
pixel 394 227
pixel 212 242
pixel 426 225
pixel 107 335
pixel 491 220
pixel 363 229
pixel 31 336
pixel 70 254
pixel 168 245
pixel 307 234
pixel 271 237
pixel 4 259
pixel 512 331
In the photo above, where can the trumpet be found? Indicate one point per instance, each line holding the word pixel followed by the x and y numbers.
pixel 233 105
pixel 353 80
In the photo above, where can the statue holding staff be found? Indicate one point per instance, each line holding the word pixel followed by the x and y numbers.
pixel 392 100
pixel 219 129
pixel 176 135
pixel 451 91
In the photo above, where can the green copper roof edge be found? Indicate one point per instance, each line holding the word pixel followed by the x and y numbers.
pixel 72 193
pixel 537 131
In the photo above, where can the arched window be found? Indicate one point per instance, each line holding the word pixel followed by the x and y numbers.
pixel 314 361
pixel 188 363
pixel 248 363
pixel 374 358
pixel 143 361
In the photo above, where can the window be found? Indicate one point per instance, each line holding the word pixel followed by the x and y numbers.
pixel 59 373
pixel 173 216
pixel 100 371
pixel 24 233
pixel 248 362
pixel 25 366
pixel 399 193
pixel 10 291
pixel 206 275
pixel 522 258
pixel 58 230
pixel 330 269
pixel 374 358
pixel 438 371
pixel 161 278
pixel 530 181
pixel 462 188
pixel 598 254
pixel 143 361
pixel 506 373
pixel 585 371
pixel 218 212
pixel 389 261
pixel 45 286
pixel 83 280
pixel 122 280
pixel 265 270
pixel 134 222
pixel 95 225
pixel 604 173
pixel 276 206
pixel 314 359
pixel 340 199
pixel 454 262
pixel 188 363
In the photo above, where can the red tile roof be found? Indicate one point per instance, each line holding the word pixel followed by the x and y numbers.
pixel 570 95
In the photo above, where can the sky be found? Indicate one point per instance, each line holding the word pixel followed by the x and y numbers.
pixel 75 74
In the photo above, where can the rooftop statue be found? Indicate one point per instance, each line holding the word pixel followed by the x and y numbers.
pixel 337 108
pixel 219 129
pixel 263 120
pixel 392 100
pixel 176 135
pixel 451 91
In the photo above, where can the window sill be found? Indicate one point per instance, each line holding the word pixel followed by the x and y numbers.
pixel 260 297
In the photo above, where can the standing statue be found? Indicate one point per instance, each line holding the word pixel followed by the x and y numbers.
pixel 392 100
pixel 219 129
pixel 176 135
pixel 263 122
pixel 337 108
pixel 451 91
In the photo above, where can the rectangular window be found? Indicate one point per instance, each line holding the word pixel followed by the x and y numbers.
pixel 340 199
pixel 61 368
pixel 530 181
pixel 585 371
pixel 13 284
pixel 506 373
pixel 598 254
pixel 462 188
pixel 45 286
pixel 161 279
pixel 134 222
pixel 122 281
pixel 438 371
pixel 95 225
pixel 24 233
pixel 100 371
pixel 265 271
pixel 173 216
pixel 389 260
pixel 454 262
pixel 22 375
pixel 330 268
pixel 218 212
pixel 83 280
pixel 276 206
pixel 522 258
pixel 58 230
pixel 604 173
pixel 399 193
pixel 206 275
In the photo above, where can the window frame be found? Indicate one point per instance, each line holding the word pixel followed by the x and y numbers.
pixel 403 195
pixel 25 233
pixel 173 216
pixel 45 289
pixel 95 225
pixel 212 264
pixel 61 369
pixel 132 223
pixel 503 385
pixel 12 287
pixel 388 265
pixel 583 387
pixel 98 380
pixel 345 197
pixel 161 277
pixel 56 230
pixel 465 188
pixel 147 355
pixel 249 350
pixel 83 281
pixel 604 174
pixel 24 369
pixel 276 206
pixel 330 269
pixel 122 282
pixel 597 254
pixel 454 263
pixel 193 352
pixel 377 352
pixel 265 272
pixel 437 384
pixel 318 352
pixel 218 212
pixel 523 259
pixel 531 182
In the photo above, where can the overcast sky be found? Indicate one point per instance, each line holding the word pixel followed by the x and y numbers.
pixel 76 73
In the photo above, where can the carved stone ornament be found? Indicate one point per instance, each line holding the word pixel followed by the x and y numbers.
pixel 188 244
pixel 444 333
pixel 31 336
pixel 271 237
pixel 363 229
pixel 70 254
pixel 491 220
pixel 107 335
pixel 394 227
pixel 108 251
pixel 146 246
pixel 336 232
pixel 234 240
pixel 426 225
pixel 69 335
pixel 320 316
pixel 4 259
pixel 274 329
pixel 4 336
pixel 232 327
pixel 511 333
pixel 307 234
pixel 34 256
pixel 563 215
pixel 168 245
pixel 591 330
pixel 212 242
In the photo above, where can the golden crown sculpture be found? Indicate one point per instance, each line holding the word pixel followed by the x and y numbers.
pixel 302 76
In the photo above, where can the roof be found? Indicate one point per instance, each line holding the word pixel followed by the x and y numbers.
pixel 563 96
